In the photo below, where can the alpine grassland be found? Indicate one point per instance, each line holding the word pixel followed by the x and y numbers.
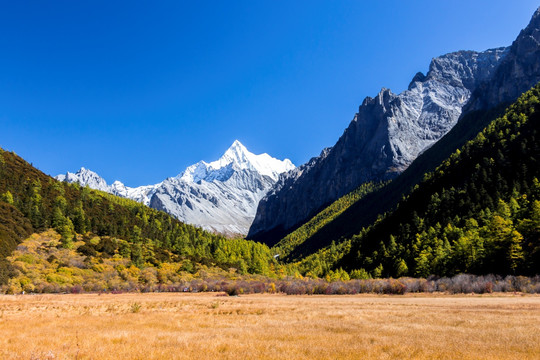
pixel 266 326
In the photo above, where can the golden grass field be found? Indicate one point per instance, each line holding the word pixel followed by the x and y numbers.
pixel 207 326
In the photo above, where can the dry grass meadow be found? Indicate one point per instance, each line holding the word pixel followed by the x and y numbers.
pixel 206 326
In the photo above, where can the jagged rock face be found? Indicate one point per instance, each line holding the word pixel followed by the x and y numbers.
pixel 385 136
pixel 517 73
pixel 390 130
pixel 221 196
pixel 287 185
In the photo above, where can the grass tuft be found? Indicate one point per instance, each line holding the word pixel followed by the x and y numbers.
pixel 136 307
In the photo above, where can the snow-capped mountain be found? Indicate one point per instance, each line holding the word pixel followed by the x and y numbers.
pixel 220 196
pixel 89 178
pixel 240 158
pixel 85 177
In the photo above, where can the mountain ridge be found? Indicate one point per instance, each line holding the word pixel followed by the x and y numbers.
pixel 477 212
pixel 385 136
pixel 365 211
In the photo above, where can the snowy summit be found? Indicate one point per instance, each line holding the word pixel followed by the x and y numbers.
pixel 220 196
pixel 239 158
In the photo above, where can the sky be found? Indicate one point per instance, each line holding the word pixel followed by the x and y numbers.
pixel 139 90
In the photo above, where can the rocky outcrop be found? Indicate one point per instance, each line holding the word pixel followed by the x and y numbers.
pixel 86 177
pixel 517 73
pixel 386 135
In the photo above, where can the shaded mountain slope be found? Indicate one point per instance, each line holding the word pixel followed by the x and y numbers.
pixel 290 243
pixel 494 82
pixel 385 136
pixel 366 210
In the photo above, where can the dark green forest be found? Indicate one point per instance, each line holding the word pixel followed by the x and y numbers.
pixel 478 212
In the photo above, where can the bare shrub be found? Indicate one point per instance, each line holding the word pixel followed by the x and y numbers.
pixel 237 285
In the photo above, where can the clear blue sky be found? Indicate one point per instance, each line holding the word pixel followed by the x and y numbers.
pixel 138 90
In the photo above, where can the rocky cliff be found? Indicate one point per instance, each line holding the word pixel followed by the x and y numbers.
pixel 390 131
pixel 517 73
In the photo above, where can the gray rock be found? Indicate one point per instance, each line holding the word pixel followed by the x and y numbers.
pixel 517 73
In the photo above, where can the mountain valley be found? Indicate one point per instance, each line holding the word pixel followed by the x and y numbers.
pixel 439 183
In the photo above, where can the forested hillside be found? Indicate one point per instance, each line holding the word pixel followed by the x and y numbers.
pixel 32 202
pixel 365 210
pixel 478 212
pixel 286 247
